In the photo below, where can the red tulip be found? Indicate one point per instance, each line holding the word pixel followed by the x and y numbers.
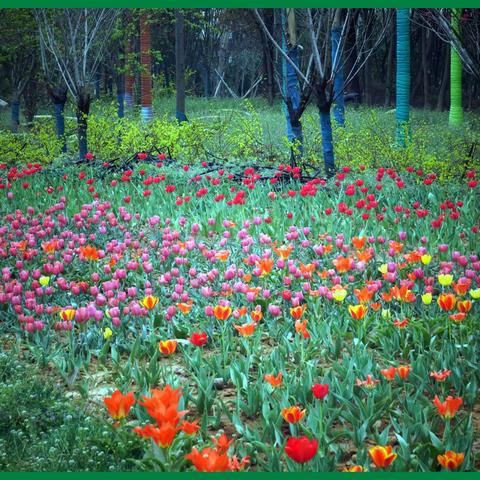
pixel 301 449
pixel 320 390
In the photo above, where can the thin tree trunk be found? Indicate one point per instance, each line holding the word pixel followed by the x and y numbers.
pixel 15 112
pixel 403 75
pixel 337 70
pixel 391 55
pixel 83 109
pixel 129 78
pixel 443 86
pixel 146 73
pixel 425 67
pixel 180 64
pixel 351 47
pixel 120 96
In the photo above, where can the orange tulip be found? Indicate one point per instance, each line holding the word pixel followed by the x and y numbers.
pixel 397 246
pixel 462 286
pixel 307 270
pixel 274 381
pixel 167 347
pixel 119 405
pixel 209 460
pixel 359 242
pixel 222 312
pixel 222 255
pixel 354 469
pixel 457 317
pixel 256 315
pixel 293 414
pixel 389 373
pixel 357 311
pixel 297 312
pixel 240 312
pixel 163 405
pixel 441 376
pixel 451 460
pixel 342 264
pixel 190 428
pixel 163 435
pixel 301 328
pixel 404 371
pixel 246 330
pixel 446 301
pixel 265 265
pixel 364 295
pixel 400 323
pixel 464 306
pixel 149 302
pixel 185 307
pixel 382 456
pixel 449 407
pixel 222 443
pixel 67 314
pixel 283 252
pixel 89 253
pixel 376 306
pixel 370 382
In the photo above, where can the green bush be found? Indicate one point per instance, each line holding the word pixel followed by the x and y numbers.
pixel 38 145
pixel 43 430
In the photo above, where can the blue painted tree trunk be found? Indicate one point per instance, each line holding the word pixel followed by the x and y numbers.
pixel 327 142
pixel 121 104
pixel 15 113
pixel 60 124
pixel 403 76
pixel 294 129
pixel 339 80
pixel 291 92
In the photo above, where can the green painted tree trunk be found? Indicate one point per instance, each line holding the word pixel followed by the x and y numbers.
pixel 455 116
pixel 403 76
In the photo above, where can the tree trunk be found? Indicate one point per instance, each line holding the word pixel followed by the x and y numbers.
pixel 59 98
pixel 425 67
pixel 403 75
pixel 291 90
pixel 351 47
pixel 180 64
pixel 337 70
pixel 120 96
pixel 455 116
pixel 83 108
pixel 129 78
pixel 146 65
pixel 222 60
pixel 324 107
pixel 15 113
pixel 391 54
pixel 443 86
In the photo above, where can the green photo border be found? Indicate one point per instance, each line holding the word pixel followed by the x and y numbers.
pixel 232 4
pixel 235 3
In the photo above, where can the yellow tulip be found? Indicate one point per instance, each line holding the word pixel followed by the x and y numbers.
pixel 44 281
pixel 426 259
pixel 386 313
pixel 427 298
pixel 107 333
pixel 383 269
pixel 339 294
pixel 445 279
pixel 475 294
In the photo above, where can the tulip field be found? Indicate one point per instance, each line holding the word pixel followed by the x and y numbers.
pixel 212 318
